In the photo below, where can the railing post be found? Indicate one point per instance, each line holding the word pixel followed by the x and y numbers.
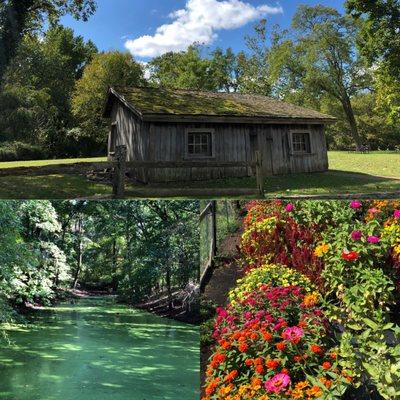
pixel 259 174
pixel 214 229
pixel 119 172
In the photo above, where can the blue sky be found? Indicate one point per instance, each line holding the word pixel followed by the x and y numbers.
pixel 133 24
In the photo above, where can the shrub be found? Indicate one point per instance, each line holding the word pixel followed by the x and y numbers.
pixel 274 344
pixel 269 274
pixel 19 151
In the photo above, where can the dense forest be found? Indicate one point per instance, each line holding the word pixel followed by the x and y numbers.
pixel 131 249
pixel 53 83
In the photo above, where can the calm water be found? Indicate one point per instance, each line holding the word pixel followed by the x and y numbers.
pixel 96 350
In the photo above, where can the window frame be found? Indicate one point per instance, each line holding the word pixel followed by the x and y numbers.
pixel 208 131
pixel 308 150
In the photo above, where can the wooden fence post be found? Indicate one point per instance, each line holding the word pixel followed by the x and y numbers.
pixel 214 229
pixel 119 172
pixel 259 173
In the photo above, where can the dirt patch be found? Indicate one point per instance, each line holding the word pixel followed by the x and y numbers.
pixel 222 279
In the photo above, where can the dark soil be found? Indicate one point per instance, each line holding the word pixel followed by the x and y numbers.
pixel 227 270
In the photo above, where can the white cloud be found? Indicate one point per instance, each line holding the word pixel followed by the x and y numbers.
pixel 198 22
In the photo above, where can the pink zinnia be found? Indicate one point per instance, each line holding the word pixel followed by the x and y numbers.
pixel 355 204
pixel 396 214
pixel 289 207
pixel 373 210
pixel 278 383
pixel 373 239
pixel 356 235
pixel 293 334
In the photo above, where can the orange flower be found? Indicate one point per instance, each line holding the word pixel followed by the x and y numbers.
pixel 259 369
pixel 285 371
pixel 316 349
pixel 243 347
pixel 249 362
pixel 231 376
pixel 326 365
pixel 281 346
pixel 267 336
pixel 272 364
pixel 333 355
pixel 297 358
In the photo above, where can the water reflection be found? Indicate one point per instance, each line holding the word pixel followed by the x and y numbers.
pixel 97 350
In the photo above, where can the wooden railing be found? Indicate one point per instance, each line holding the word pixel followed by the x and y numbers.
pixel 120 166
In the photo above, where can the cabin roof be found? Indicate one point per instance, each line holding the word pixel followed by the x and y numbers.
pixel 176 104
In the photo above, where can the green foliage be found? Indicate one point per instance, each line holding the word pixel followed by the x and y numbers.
pixel 105 70
pixel 318 58
pixel 12 151
pixel 19 18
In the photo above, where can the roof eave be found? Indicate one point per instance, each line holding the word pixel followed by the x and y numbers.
pixel 235 119
pixel 107 108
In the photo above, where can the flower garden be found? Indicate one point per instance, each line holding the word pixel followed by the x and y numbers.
pixel 316 314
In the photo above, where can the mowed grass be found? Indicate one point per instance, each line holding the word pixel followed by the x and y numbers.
pixel 50 187
pixel 44 163
pixel 349 173
pixel 375 163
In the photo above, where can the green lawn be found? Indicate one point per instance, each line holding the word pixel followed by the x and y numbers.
pixel 50 187
pixel 376 163
pixel 43 163
pixel 350 173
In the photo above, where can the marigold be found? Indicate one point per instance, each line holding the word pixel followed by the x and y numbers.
pixel 321 249
pixel 326 365
pixel 281 346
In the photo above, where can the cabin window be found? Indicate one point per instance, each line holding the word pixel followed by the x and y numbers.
pixel 200 144
pixel 113 137
pixel 301 142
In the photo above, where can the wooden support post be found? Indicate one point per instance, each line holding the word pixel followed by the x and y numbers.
pixel 119 172
pixel 259 174
pixel 214 229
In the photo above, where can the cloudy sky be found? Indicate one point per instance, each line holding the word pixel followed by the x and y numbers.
pixel 152 27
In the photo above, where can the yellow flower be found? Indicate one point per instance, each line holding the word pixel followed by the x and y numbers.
pixel 321 249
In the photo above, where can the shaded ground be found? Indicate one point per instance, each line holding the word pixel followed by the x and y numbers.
pixel 371 174
pixel 222 279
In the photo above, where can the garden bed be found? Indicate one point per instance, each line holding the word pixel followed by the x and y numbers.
pixel 315 315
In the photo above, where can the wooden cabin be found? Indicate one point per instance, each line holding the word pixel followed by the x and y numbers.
pixel 161 125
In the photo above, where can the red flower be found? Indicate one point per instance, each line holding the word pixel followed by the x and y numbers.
pixel 281 346
pixel 243 347
pixel 350 255
pixel 316 349
pixel 297 358
pixel 272 364
pixel 326 365
pixel 259 369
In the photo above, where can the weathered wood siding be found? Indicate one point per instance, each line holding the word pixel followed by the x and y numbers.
pixel 131 133
pixel 166 142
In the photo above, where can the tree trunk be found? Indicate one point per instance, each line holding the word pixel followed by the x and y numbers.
pixel 79 252
pixel 169 289
pixel 348 109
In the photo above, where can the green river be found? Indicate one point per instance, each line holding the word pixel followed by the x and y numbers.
pixel 97 350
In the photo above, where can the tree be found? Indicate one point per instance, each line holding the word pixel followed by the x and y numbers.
pixel 182 70
pixel 379 42
pixel 38 86
pixel 20 17
pixel 319 58
pixel 105 70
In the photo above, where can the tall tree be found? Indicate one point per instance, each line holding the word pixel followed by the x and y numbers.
pixel 38 85
pixel 20 17
pixel 379 42
pixel 317 58
pixel 106 69
pixel 182 70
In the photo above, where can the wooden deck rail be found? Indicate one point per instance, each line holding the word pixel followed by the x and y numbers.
pixel 120 166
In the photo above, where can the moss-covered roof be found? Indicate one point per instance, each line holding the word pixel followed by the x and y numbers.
pixel 160 101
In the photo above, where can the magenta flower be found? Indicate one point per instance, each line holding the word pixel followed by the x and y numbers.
pixel 293 334
pixel 355 204
pixel 289 207
pixel 278 383
pixel 356 235
pixel 396 214
pixel 373 239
